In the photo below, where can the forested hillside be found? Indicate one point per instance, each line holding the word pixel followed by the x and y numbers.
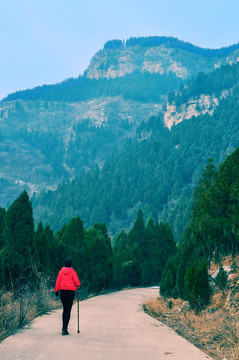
pixel 223 79
pixel 27 252
pixel 31 257
pixel 212 234
pixel 157 173
pixel 131 170
pixel 147 76
pixel 100 138
pixel 136 86
pixel 44 143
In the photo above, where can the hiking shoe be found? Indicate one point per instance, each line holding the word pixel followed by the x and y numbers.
pixel 65 332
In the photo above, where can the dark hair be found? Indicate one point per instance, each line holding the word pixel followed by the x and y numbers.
pixel 68 262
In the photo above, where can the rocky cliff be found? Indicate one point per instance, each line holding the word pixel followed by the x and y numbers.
pixel 162 59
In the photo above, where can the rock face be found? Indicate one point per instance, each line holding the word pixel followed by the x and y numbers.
pixel 174 115
pixel 195 107
pixel 112 63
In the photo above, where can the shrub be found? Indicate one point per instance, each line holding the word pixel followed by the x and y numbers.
pixel 221 279
pixel 197 286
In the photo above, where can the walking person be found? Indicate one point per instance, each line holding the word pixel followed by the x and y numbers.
pixel 67 282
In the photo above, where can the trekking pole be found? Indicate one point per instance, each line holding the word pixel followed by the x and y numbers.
pixel 78 331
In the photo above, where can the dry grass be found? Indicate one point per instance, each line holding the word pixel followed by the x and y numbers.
pixel 21 307
pixel 214 330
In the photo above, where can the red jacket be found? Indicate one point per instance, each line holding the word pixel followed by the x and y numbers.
pixel 67 279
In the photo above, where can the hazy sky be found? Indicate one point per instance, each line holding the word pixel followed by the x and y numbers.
pixel 47 41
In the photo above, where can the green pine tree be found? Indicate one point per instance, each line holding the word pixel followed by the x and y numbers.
pixel 197 286
pixel 100 257
pixel 74 239
pixel 168 280
pixel 57 251
pixel 42 249
pixel 2 270
pixel 18 237
pixel 221 279
pixel 2 215
pixel 146 275
pixel 138 234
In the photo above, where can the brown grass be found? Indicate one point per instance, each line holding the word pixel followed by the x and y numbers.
pixel 214 330
pixel 20 307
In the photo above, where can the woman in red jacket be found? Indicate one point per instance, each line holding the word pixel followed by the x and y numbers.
pixel 67 282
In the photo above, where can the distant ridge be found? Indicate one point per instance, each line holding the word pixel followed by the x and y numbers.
pixel 84 87
pixel 152 41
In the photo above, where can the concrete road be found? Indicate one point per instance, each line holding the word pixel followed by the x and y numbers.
pixel 112 327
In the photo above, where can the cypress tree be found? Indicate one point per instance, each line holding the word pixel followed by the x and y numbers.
pixel 168 280
pixel 18 237
pixel 118 257
pixel 189 285
pixel 57 251
pixel 2 270
pixel 53 269
pixel 42 249
pixel 132 265
pixel 138 234
pixel 204 229
pixel 2 215
pixel 197 286
pixel 181 271
pixel 101 257
pixel 146 275
pixel 74 239
pixel 137 250
pixel 166 244
pixel 152 269
pixel 221 279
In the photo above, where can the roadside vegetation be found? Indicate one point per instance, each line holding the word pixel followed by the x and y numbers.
pixel 215 329
pixel 31 258
pixel 20 306
pixel 199 286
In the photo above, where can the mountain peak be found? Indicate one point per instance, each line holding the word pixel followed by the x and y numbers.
pixel 154 41
pixel 157 54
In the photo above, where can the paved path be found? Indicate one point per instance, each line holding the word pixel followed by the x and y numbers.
pixel 112 327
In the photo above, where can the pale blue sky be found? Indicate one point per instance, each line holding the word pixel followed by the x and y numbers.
pixel 47 41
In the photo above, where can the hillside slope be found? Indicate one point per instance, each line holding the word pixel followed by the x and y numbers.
pixel 46 142
pixel 53 133
pixel 157 173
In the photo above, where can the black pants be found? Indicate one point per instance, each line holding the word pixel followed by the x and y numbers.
pixel 67 297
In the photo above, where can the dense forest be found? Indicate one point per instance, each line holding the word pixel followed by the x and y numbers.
pixel 157 172
pixel 145 255
pixel 139 86
pixel 212 233
pixel 135 86
pixel 214 83
pixel 60 131
pixel 156 210
pixel 135 258
pixel 151 41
